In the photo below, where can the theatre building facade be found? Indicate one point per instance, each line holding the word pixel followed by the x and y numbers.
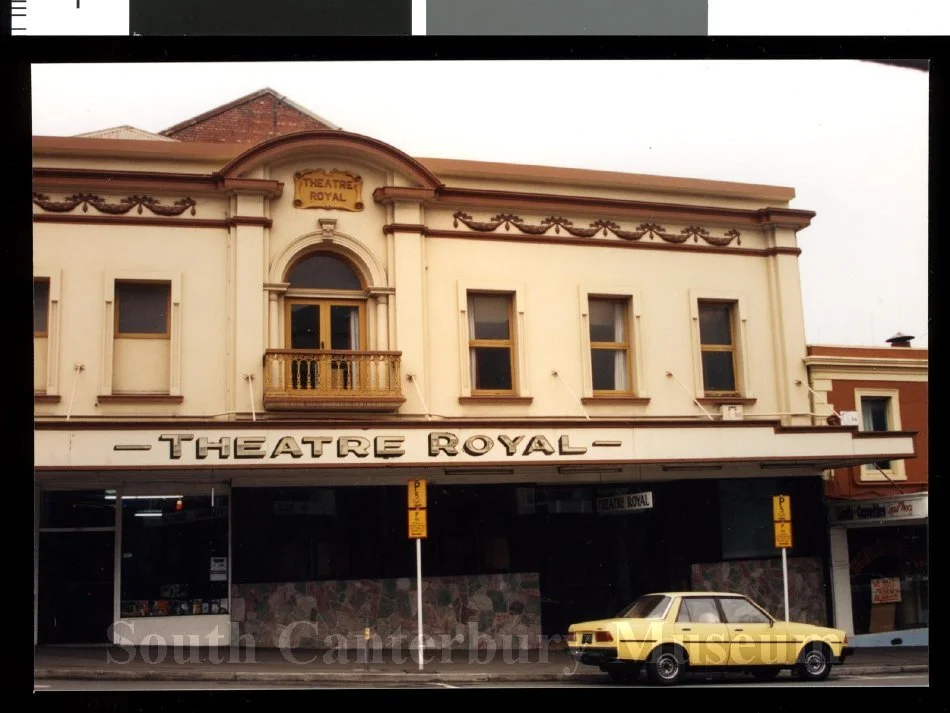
pixel 245 348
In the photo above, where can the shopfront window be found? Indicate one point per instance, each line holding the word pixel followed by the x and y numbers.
pixel 174 555
pixel 890 582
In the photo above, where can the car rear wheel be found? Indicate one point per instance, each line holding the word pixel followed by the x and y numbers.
pixel 666 666
pixel 766 674
pixel 623 673
pixel 814 663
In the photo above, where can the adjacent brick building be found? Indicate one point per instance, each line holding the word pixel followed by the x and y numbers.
pixel 877 511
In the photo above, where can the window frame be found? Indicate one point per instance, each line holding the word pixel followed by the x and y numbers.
pixel 719 348
pixel 509 343
pixel 44 334
pixel 520 383
pixel 53 277
pixel 636 374
pixel 109 337
pixel 626 346
pixel 741 356
pixel 142 335
pixel 868 471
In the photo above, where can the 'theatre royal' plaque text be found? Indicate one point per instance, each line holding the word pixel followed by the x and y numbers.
pixel 330 190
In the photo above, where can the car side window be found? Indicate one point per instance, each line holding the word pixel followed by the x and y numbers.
pixel 684 611
pixel 740 611
pixel 699 610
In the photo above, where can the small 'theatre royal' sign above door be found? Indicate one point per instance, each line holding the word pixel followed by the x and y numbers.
pixel 330 190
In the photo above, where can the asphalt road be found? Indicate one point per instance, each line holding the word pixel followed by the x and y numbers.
pixel 906 679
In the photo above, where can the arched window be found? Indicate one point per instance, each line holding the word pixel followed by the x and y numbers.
pixel 320 317
pixel 324 271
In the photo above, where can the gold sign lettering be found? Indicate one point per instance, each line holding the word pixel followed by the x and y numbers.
pixel 329 190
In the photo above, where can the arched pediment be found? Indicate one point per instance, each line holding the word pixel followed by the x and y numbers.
pixel 339 143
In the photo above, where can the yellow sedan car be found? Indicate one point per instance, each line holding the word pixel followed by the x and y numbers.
pixel 673 632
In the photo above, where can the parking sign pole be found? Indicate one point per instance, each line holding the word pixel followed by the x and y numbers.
pixel 785 578
pixel 782 517
pixel 419 597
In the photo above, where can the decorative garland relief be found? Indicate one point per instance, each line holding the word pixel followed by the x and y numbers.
pixel 605 226
pixel 122 207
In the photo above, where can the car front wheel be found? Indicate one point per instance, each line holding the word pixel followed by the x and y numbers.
pixel 666 667
pixel 814 664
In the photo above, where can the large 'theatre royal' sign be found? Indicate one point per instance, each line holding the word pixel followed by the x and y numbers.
pixel 236 447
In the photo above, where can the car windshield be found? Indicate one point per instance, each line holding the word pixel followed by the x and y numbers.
pixel 650 606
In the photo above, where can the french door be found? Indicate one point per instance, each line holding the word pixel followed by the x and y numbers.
pixel 326 328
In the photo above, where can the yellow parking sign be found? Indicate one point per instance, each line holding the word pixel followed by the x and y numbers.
pixel 781 508
pixel 417 493
pixel 417 524
pixel 783 535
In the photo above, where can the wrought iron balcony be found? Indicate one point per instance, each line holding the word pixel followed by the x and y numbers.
pixel 331 380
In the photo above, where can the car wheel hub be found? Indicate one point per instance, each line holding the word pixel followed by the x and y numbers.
pixel 667 666
pixel 815 662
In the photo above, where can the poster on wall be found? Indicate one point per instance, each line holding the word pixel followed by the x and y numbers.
pixel 886 590
pixel 219 569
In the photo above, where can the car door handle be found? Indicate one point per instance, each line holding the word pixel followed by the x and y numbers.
pixel 737 629
pixel 686 628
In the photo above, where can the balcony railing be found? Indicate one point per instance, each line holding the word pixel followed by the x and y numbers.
pixel 311 379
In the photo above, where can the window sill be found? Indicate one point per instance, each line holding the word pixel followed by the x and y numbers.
pixel 139 399
pixel 514 400
pixel 46 398
pixel 638 400
pixel 717 400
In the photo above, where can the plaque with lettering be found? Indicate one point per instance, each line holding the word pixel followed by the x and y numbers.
pixel 328 190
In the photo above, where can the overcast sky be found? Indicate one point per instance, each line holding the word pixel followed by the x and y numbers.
pixel 851 138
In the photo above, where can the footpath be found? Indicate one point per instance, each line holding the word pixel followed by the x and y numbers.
pixel 384 666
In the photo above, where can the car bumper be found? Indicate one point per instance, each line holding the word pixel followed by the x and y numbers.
pixel 594 656
pixel 846 651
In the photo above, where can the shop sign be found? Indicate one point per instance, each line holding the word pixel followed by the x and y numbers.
pixel 629 502
pixel 330 190
pixel 886 590
pixel 910 507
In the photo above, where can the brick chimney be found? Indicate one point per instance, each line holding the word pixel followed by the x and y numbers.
pixel 900 340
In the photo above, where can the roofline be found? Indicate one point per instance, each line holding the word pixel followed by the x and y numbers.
pixel 282 98
pixel 443 168
pixel 605 179
pixel 867 346
pixel 135 148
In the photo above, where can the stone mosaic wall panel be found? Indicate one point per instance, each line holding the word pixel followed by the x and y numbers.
pixel 761 581
pixel 467 612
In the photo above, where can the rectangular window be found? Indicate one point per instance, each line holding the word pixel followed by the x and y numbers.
pixel 174 555
pixel 717 340
pixel 142 309
pixel 609 344
pixel 40 307
pixel 875 415
pixel 491 347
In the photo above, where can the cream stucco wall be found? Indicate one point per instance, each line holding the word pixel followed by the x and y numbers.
pixel 85 255
pixel 229 301
pixel 550 278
